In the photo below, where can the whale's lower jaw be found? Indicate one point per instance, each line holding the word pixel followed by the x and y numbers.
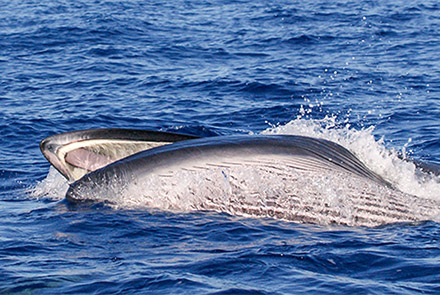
pixel 318 195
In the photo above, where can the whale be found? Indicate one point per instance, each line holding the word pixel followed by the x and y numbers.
pixel 288 177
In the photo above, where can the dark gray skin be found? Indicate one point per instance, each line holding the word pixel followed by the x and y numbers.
pixel 197 154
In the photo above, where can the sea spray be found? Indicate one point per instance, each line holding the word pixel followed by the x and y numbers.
pixel 387 162
pixel 54 186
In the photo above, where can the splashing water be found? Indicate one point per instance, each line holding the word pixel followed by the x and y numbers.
pixel 386 162
pixel 54 186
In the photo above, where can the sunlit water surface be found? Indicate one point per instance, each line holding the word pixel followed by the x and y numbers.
pixel 360 73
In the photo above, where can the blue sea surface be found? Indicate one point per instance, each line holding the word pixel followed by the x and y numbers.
pixel 211 68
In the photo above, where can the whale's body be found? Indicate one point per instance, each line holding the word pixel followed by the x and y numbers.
pixel 295 178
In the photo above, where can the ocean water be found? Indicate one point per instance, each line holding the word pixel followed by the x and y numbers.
pixel 365 74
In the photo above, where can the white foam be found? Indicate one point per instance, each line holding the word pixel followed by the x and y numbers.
pixel 54 186
pixel 373 153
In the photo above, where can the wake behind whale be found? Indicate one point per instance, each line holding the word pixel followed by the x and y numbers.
pixel 294 178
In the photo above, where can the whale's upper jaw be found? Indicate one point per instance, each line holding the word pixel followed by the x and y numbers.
pixel 77 153
pixel 74 159
pixel 49 150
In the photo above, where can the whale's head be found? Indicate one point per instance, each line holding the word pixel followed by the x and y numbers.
pixel 75 154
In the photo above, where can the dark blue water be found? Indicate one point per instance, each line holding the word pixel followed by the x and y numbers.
pixel 211 68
